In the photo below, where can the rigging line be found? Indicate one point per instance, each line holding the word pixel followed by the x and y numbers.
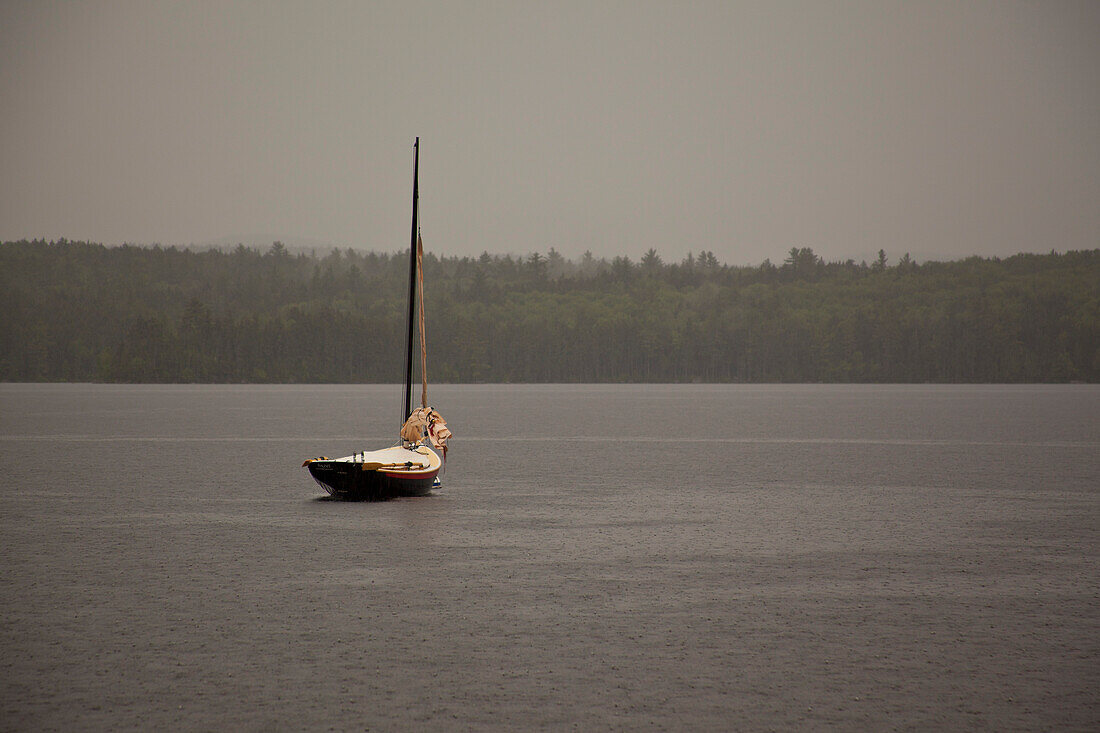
pixel 423 339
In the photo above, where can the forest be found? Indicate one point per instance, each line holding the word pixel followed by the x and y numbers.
pixel 79 312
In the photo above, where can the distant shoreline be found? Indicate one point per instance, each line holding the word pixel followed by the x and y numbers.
pixel 87 313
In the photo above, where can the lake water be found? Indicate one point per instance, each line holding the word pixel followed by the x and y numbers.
pixel 623 557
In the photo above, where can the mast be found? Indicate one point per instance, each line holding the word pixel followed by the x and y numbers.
pixel 412 286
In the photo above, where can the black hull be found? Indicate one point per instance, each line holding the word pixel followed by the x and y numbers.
pixel 348 481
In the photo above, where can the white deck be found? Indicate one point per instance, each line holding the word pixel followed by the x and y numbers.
pixel 421 456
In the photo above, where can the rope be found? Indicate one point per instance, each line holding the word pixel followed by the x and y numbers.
pixel 423 342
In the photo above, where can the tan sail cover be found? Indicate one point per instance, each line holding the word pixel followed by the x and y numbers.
pixel 427 423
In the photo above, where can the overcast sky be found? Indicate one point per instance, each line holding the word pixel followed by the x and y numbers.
pixel 940 128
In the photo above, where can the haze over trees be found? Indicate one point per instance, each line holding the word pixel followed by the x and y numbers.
pixel 74 311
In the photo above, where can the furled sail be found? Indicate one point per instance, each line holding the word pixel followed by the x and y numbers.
pixel 425 423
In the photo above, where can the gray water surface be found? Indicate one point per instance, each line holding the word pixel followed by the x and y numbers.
pixel 633 557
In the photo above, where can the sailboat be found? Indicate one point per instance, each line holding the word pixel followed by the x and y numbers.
pixel 412 466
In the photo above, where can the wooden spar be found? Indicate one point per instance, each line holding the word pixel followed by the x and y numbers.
pixel 412 287
pixel 406 466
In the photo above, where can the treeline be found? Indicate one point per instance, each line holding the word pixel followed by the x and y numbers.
pixel 74 311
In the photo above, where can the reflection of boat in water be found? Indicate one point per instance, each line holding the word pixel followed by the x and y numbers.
pixel 410 468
